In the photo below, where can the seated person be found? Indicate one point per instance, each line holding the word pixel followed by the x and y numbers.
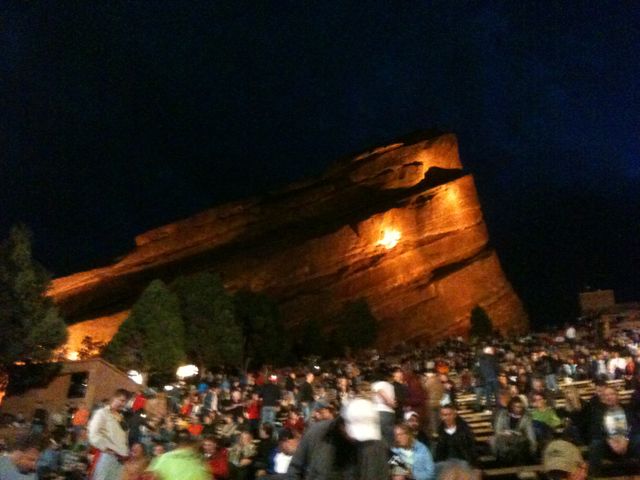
pixel 411 459
pixel 455 438
pixel 563 461
pixel 545 419
pixel 227 430
pixel 294 422
pixel 21 461
pixel 538 386
pixel 282 455
pixel 577 424
pixel 136 464
pixel 514 441
pixel 241 455
pixel 217 458
pixel 50 461
pixel 616 438
pixel 412 419
pixel 265 448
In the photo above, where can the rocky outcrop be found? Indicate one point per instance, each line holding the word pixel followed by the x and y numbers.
pixel 318 244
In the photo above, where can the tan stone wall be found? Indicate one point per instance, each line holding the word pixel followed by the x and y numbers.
pixel 103 380
pixel 593 302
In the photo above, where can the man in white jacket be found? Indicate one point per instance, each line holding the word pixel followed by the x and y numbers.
pixel 107 434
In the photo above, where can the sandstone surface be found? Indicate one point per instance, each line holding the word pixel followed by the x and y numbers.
pixel 318 244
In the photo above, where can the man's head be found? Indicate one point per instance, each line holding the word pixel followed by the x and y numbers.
pixel 323 411
pixel 209 446
pixel 288 442
pixel 137 451
pixel 413 420
pixel 448 415
pixel 266 430
pixel 361 420
pixel 538 401
pixel 563 460
pixel 403 436
pixel 610 397
pixel 397 375
pixel 537 384
pixel 184 439
pixel 310 377
pixel 601 384
pixel 158 449
pixel 119 399
pixel 516 406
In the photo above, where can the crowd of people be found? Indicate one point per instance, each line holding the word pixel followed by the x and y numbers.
pixel 392 416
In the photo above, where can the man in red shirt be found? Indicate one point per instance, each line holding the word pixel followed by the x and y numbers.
pixel 217 458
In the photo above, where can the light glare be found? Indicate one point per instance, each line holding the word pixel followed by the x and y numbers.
pixel 390 238
pixel 186 371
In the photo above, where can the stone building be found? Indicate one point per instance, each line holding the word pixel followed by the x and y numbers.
pixel 88 381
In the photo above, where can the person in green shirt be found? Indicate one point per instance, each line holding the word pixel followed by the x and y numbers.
pixel 183 463
pixel 543 413
pixel 545 419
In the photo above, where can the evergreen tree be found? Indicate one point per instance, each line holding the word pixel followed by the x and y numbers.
pixel 151 339
pixel 481 324
pixel 213 336
pixel 313 340
pixel 30 325
pixel 355 327
pixel 265 338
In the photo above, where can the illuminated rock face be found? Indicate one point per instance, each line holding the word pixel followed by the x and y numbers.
pixel 399 226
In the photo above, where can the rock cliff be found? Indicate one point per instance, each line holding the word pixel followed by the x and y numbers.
pixel 400 226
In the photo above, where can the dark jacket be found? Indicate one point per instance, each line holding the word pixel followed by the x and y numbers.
pixel 270 394
pixel 325 454
pixel 306 393
pixel 461 444
pixel 597 426
pixel 488 366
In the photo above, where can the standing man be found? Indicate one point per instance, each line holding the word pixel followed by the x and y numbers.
pixel 400 391
pixel 307 396
pixel 347 447
pixel 488 366
pixel 107 434
pixel 270 394
pixel 384 400
pixel 211 399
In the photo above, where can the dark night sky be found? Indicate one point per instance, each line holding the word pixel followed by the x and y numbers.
pixel 116 117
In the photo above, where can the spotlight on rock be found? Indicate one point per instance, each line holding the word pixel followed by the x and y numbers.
pixel 390 238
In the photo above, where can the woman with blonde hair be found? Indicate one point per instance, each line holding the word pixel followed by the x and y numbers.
pixel 577 428
pixel 411 459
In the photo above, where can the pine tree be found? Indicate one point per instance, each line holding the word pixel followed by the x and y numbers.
pixel 151 339
pixel 481 324
pixel 265 338
pixel 313 341
pixel 213 335
pixel 30 326
pixel 355 327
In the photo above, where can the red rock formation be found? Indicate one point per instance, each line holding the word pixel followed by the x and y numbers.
pixel 317 244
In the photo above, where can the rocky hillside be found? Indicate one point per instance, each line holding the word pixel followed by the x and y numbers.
pixel 400 226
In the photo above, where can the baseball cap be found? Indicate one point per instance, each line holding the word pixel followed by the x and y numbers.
pixel 409 414
pixel 561 455
pixel 361 420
